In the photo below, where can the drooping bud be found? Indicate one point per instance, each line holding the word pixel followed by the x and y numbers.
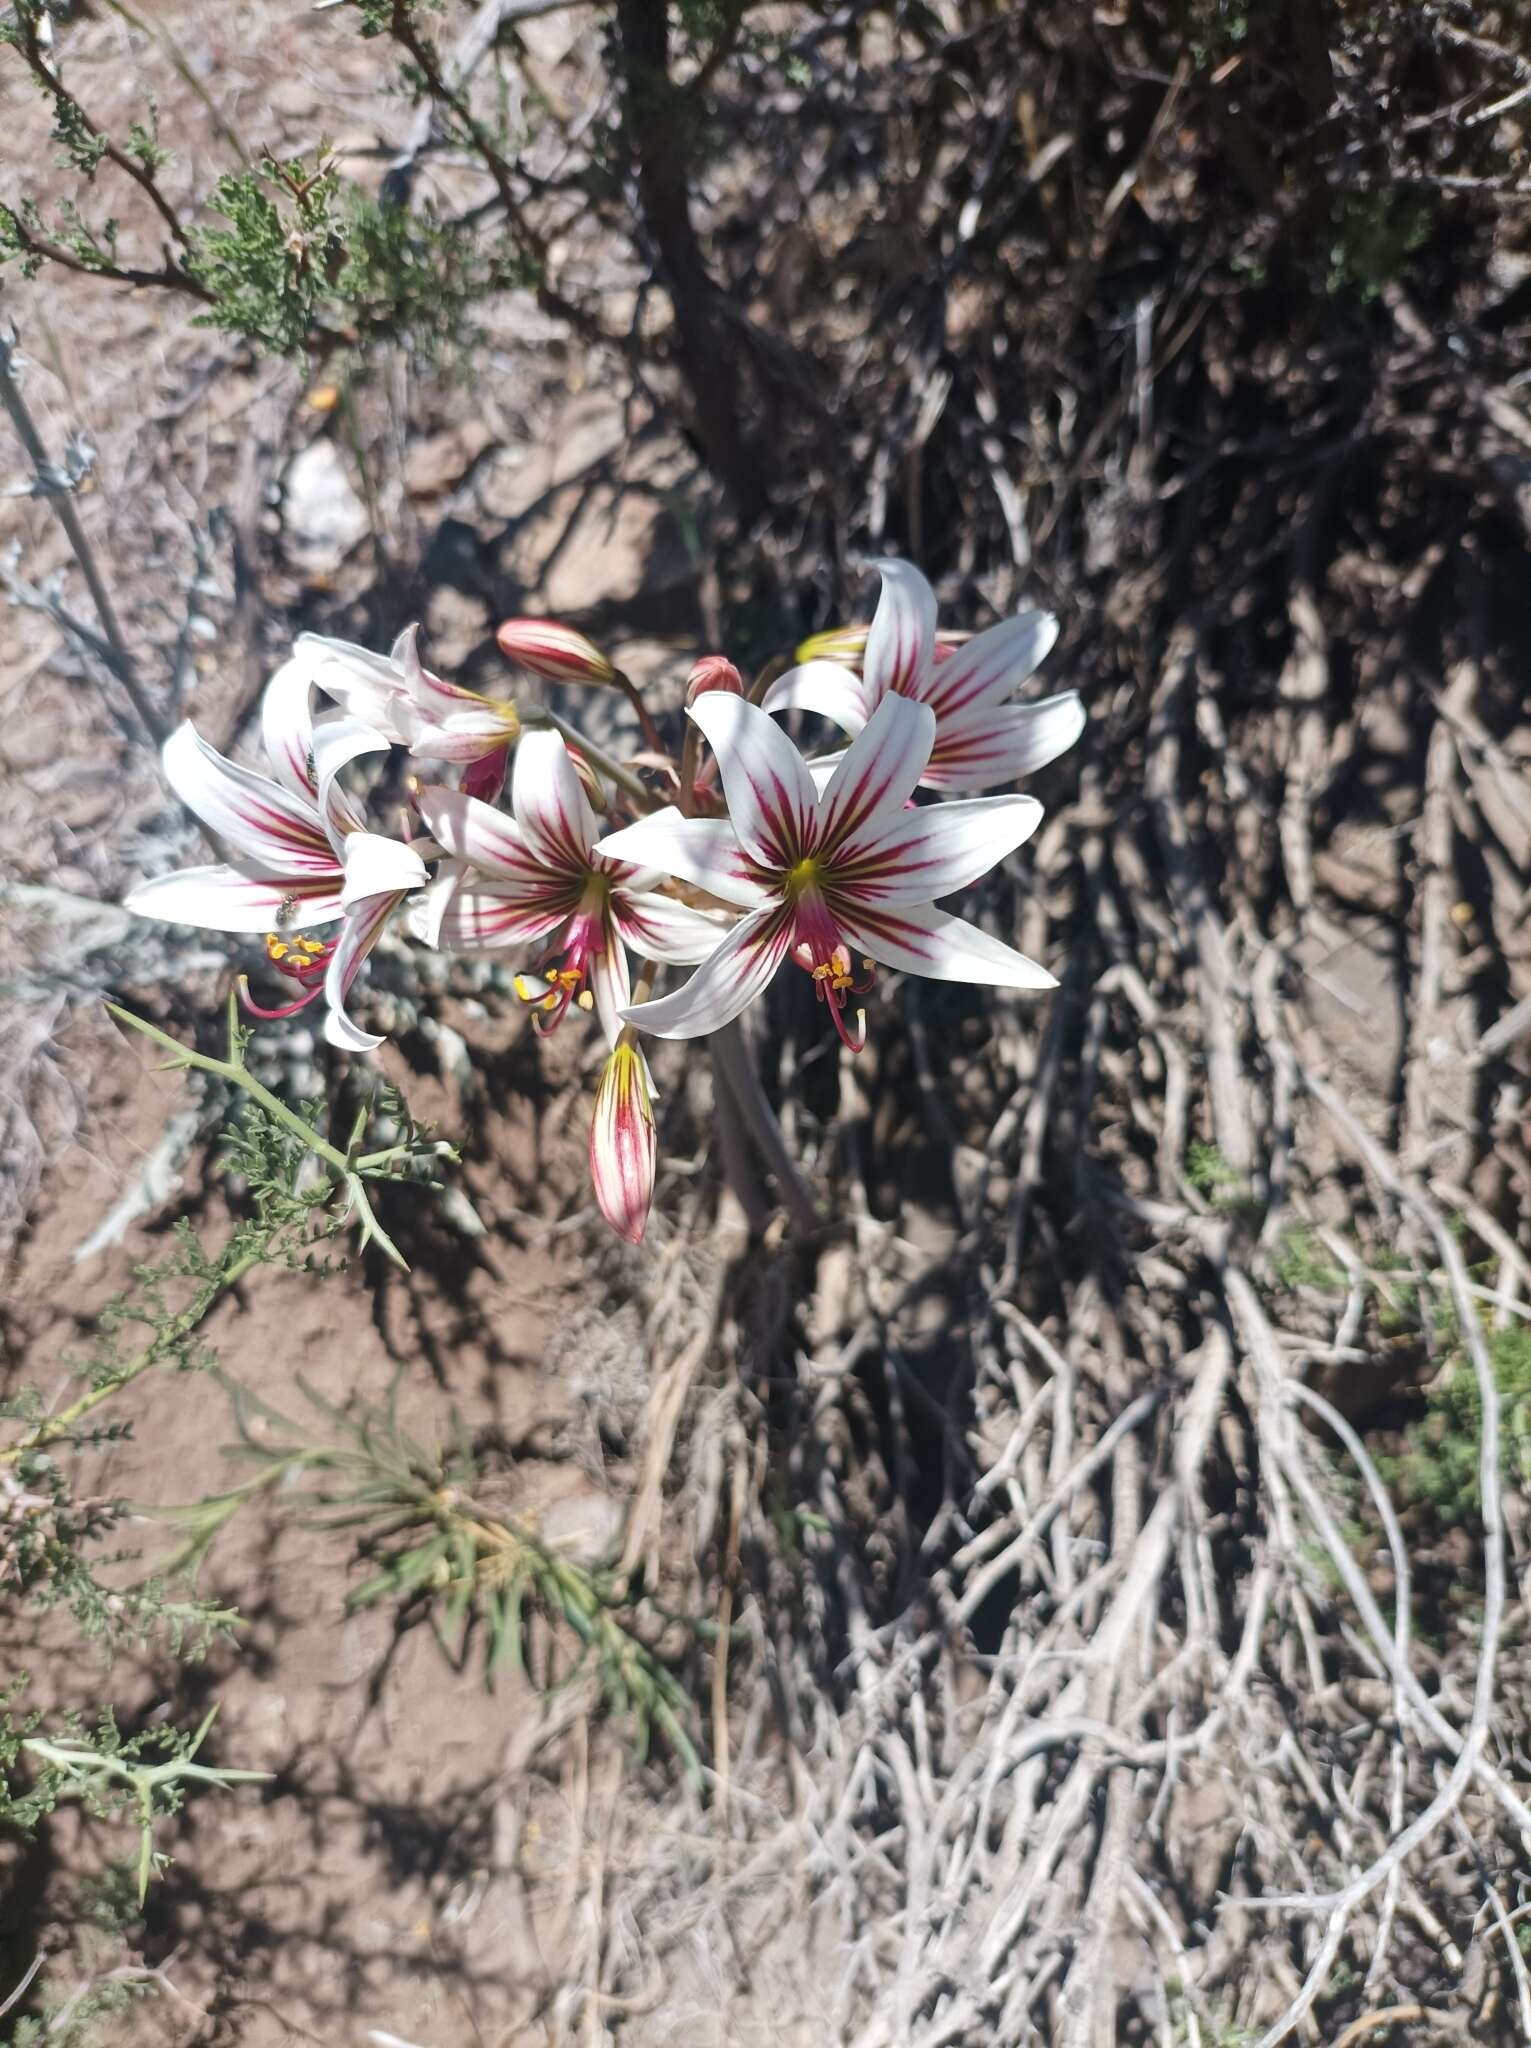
pixel 555 651
pixel 714 672
pixel 845 644
pixel 622 1147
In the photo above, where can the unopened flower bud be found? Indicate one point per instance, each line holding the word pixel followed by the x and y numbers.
pixel 555 651
pixel 848 645
pixel 622 1148
pixel 845 644
pixel 714 672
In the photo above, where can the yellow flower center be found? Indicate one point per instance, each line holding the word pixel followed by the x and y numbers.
pixel 801 878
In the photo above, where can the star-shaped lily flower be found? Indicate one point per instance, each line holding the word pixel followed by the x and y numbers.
pixel 535 879
pixel 401 698
pixel 981 738
pixel 301 854
pixel 830 879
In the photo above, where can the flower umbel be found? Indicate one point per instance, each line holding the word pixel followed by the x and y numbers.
pixel 837 881
pixel 535 879
pixel 622 1147
pixel 981 738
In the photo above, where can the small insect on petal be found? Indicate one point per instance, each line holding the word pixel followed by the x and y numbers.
pixel 622 1147
pixel 558 652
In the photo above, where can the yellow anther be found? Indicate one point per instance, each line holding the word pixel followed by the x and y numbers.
pixel 837 976
pixel 585 1000
pixel 548 1003
pixel 276 949
pixel 312 947
pixel 551 975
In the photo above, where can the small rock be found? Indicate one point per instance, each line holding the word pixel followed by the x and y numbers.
pixel 441 460
pixel 322 516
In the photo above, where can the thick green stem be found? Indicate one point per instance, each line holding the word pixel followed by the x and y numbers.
pixel 598 758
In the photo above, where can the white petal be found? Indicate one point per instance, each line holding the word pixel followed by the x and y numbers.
pixel 771 798
pixel 919 939
pixel 287 728
pixel 437 701
pixel 550 806
pixel 426 912
pixel 991 665
pixel 876 779
pixel 336 745
pixel 727 982
pixel 486 839
pixel 368 686
pixel 976 749
pixel 461 736
pixel 267 824
pixel 703 851
pixel 935 851
pixel 378 866
pixel 659 928
pixel 364 924
pixel 610 984
pixel 221 899
pixel 476 917
pixel 824 687
pixel 901 644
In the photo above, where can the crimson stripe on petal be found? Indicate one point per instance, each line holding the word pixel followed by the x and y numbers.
pixel 877 776
pixel 992 666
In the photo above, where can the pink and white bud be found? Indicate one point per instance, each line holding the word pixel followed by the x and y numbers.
pixel 713 672
pixel 622 1148
pixel 555 651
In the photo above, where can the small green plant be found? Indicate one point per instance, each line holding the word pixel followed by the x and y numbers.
pixel 1210 1173
pixel 1439 1465
pixel 112 1775
pixel 305 257
pixel 1301 1260
pixel 431 1540
pixel 1372 237
pixel 52 1529
pixel 1208 1170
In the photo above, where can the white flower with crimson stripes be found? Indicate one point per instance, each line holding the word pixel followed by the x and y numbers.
pixel 535 879
pixel 981 737
pixel 300 853
pixel 828 879
pixel 401 698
